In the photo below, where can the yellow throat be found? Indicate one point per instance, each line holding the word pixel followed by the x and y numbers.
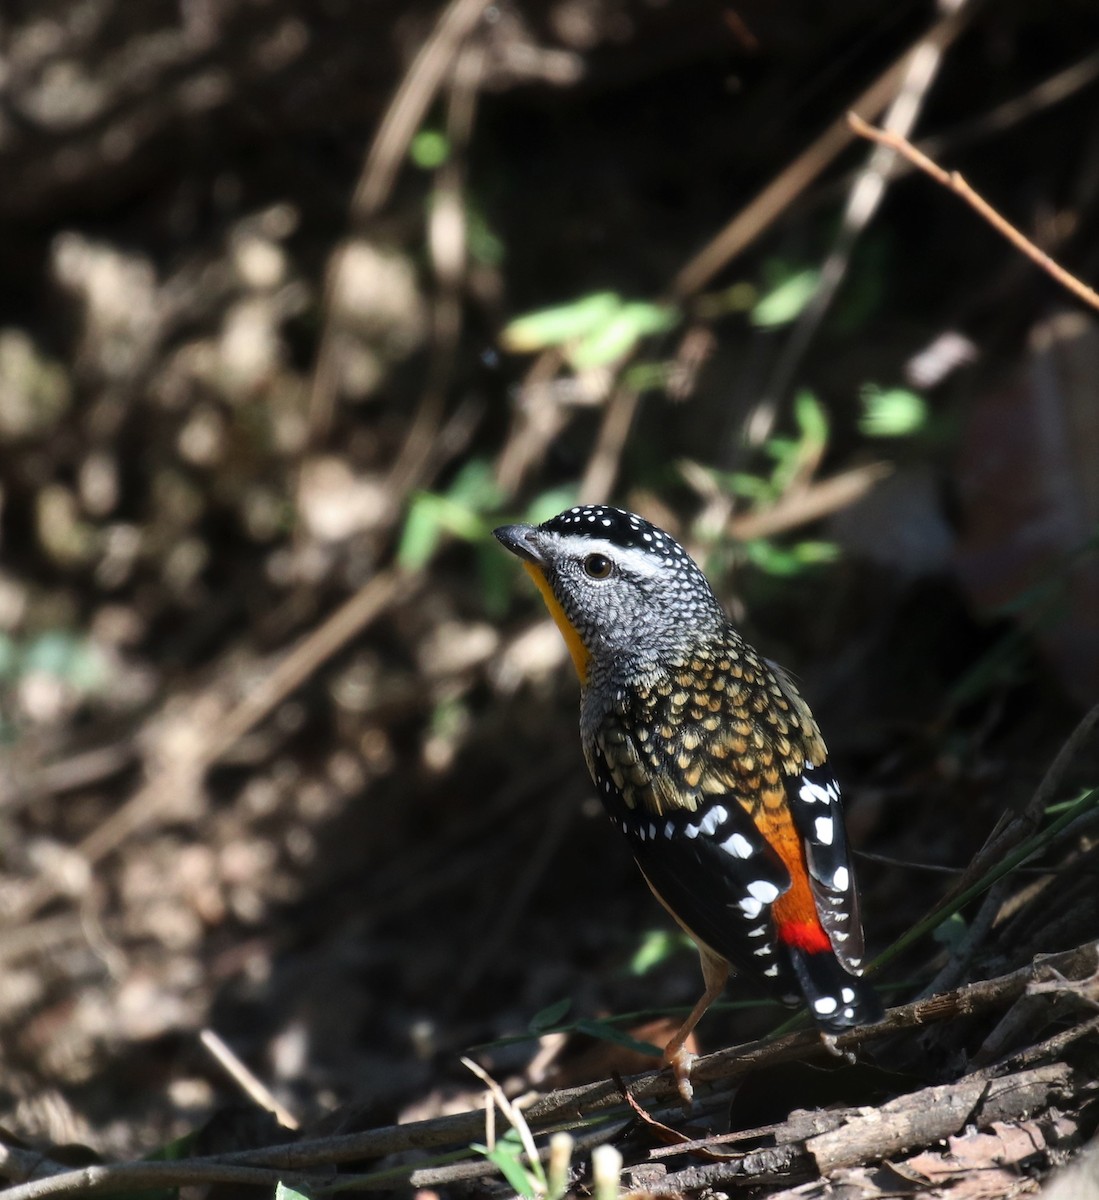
pixel 579 652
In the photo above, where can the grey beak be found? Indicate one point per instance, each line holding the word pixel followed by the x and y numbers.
pixel 521 540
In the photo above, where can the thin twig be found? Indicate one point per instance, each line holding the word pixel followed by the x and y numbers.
pixel 602 468
pixel 447 240
pixel 248 1082
pixel 863 202
pixel 538 416
pixel 410 103
pixel 811 503
pixel 955 183
pixel 138 1176
pixel 1001 843
pixel 1046 94
pixel 962 954
pixel 417 91
pixel 1018 828
pixel 768 205
pixel 513 1114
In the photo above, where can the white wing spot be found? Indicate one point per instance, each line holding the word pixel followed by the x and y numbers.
pixel 847 995
pixel 738 846
pixel 751 907
pixel 772 970
pixel 813 793
pixel 826 1005
pixel 717 815
pixel 759 931
pixel 841 879
pixel 823 828
pixel 691 830
pixel 669 829
pixel 763 890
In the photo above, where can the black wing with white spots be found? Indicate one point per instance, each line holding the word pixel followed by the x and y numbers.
pixel 818 816
pixel 714 872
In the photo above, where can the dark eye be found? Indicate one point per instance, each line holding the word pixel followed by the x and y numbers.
pixel 598 566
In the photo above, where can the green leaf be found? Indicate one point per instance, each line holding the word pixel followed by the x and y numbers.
pixel 462 520
pixel 556 326
pixel 811 554
pixel 421 533
pixel 507 1155
pixel 1063 806
pixel 600 329
pixel 458 513
pixel 475 486
pixel 647 376
pixel 549 1016
pixel 812 420
pixel 785 302
pixel 614 338
pixel 895 412
pixel 430 148
pixel 751 487
pixel 657 946
pixel 787 561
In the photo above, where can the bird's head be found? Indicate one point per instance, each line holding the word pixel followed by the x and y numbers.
pixel 615 584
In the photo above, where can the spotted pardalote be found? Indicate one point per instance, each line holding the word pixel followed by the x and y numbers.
pixel 710 763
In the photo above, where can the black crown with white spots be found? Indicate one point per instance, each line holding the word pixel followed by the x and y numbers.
pixel 630 532
pixel 625 529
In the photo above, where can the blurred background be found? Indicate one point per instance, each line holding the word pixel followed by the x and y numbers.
pixel 298 301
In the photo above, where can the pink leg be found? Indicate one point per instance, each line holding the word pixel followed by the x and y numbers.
pixel 715 972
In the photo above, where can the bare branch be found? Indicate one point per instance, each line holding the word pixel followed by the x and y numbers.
pixel 956 184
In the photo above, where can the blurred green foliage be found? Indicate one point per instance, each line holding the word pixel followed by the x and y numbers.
pixel 656 947
pixel 283 1192
pixel 525 1176
pixel 785 300
pixel 430 148
pixel 598 330
pixel 71 658
pixel 891 412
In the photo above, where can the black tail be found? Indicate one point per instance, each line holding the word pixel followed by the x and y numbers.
pixel 836 1000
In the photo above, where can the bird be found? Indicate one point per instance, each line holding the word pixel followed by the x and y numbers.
pixel 709 761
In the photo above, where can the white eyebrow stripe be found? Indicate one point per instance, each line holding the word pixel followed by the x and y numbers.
pixel 633 558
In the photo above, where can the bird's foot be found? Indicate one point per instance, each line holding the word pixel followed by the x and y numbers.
pixel 829 1040
pixel 680 1060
